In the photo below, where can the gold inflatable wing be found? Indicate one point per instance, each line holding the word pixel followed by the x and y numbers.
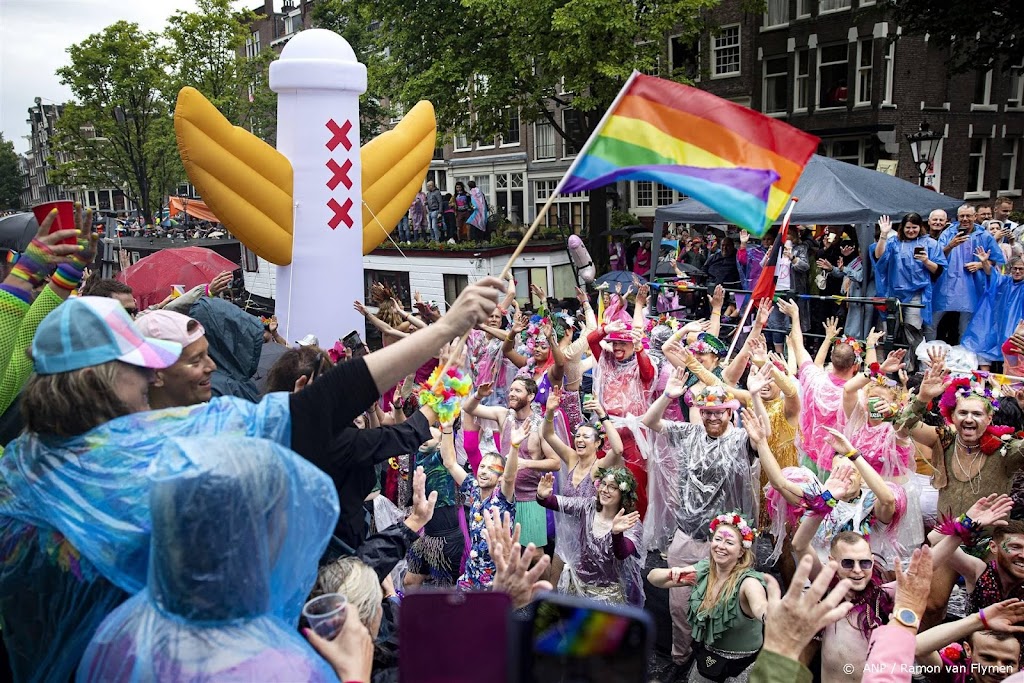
pixel 248 184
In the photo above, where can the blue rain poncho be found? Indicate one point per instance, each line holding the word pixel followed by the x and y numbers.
pixel 958 290
pixel 898 274
pixel 75 523
pixel 996 317
pixel 238 527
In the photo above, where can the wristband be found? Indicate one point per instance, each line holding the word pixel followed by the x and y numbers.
pixel 550 419
pixel 852 455
pixel 604 418
pixel 963 526
pixel 206 290
pixel 66 277
pixel 35 264
pixel 828 499
pixel 984 621
pixel 517 445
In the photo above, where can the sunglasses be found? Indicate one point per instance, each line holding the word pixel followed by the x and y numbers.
pixel 849 564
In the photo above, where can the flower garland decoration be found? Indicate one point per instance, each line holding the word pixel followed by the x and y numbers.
pixel 954 652
pixel 858 350
pixel 445 397
pixel 624 479
pixel 995 438
pixel 735 520
pixel 708 343
pixel 963 526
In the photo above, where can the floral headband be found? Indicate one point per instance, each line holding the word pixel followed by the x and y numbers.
pixel 624 479
pixel 858 350
pixel 961 388
pixel 715 398
pixel 735 520
pixel 708 343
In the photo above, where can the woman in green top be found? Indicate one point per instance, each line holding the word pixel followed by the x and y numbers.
pixel 727 605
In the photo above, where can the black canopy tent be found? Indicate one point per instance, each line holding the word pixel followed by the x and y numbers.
pixel 831 192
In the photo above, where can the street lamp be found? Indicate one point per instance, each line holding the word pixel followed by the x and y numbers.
pixel 923 145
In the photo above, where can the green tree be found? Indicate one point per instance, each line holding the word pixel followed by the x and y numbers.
pixel 477 59
pixel 118 131
pixel 10 176
pixel 208 51
pixel 354 20
pixel 979 34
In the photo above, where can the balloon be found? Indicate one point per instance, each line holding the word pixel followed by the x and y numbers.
pixel 581 259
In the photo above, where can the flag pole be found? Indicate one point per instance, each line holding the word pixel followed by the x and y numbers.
pixel 750 304
pixel 457 350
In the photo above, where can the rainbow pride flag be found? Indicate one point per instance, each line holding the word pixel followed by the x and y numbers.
pixel 737 161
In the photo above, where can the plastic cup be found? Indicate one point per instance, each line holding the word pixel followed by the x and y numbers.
pixel 65 217
pixel 326 614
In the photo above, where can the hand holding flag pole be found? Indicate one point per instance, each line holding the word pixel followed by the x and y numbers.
pixel 765 287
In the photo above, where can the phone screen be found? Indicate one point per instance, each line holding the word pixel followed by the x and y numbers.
pixel 582 643
pixel 353 342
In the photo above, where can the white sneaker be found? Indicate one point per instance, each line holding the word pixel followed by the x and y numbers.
pixel 451 241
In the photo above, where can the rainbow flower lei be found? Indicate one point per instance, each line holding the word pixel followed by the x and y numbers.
pixel 445 397
pixel 735 520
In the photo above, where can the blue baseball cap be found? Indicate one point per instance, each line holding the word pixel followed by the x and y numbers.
pixel 92 330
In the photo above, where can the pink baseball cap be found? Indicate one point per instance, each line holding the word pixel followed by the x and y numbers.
pixel 170 326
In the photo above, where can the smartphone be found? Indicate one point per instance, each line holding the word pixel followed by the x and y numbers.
pixel 918 250
pixel 354 343
pixel 473 646
pixel 587 398
pixel 580 640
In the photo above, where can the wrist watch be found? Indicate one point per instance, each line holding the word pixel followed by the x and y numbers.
pixel 907 617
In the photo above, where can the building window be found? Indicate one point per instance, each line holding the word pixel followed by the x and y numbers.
pixel 252 45
pixel 850 150
pixel 483 183
pixel 439 177
pixel 1008 165
pixel 293 22
pixel 983 89
pixel 453 286
pixel 396 280
pixel 803 8
pixel 725 48
pixel 544 188
pixel 976 165
pixel 832 73
pixel 644 193
pixel 511 135
pixel 777 14
pixel 865 59
pixel 462 142
pixel 572 124
pixel 773 96
pixel 890 60
pixel 646 50
pixel 1016 97
pixel 833 6
pixel 252 264
pixel 666 195
pixel 802 81
pixel 544 141
pixel 684 57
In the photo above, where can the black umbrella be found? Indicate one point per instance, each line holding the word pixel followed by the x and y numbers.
pixel 617 232
pixel 17 231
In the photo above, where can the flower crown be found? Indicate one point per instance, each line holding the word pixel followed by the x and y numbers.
pixel 714 396
pixel 961 388
pixel 708 343
pixel 623 478
pixel 735 520
pixel 858 350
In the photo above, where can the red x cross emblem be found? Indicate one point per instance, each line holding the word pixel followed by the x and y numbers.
pixel 341 213
pixel 339 173
pixel 340 135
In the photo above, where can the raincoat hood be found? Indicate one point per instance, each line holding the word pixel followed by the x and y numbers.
pixel 236 341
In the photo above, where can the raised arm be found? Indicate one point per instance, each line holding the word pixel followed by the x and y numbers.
pixel 757 431
pixel 377 322
pixel 673 390
pixel 508 477
pixel 448 455
pixel 472 405
pixel 557 370
pixel 832 330
pixel 796 335
pixel 1001 617
pixel 931 388
pixel 787 385
pixel 640 306
pixel 885 230
pixel 547 431
pixel 717 299
pixel 885 500
pixel 508 348
pixel 613 455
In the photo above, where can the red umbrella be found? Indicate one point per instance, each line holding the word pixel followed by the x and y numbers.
pixel 152 278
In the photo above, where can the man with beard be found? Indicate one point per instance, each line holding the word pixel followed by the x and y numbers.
pixel 535 455
pixel 965 462
pixel 712 465
pixel 622 379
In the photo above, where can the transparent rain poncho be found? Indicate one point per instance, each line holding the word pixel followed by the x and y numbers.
pixel 75 522
pixel 238 527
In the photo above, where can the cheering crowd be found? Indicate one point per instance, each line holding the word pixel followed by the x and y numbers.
pixel 495 447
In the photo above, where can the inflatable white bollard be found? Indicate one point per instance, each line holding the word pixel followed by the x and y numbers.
pixel 318 82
